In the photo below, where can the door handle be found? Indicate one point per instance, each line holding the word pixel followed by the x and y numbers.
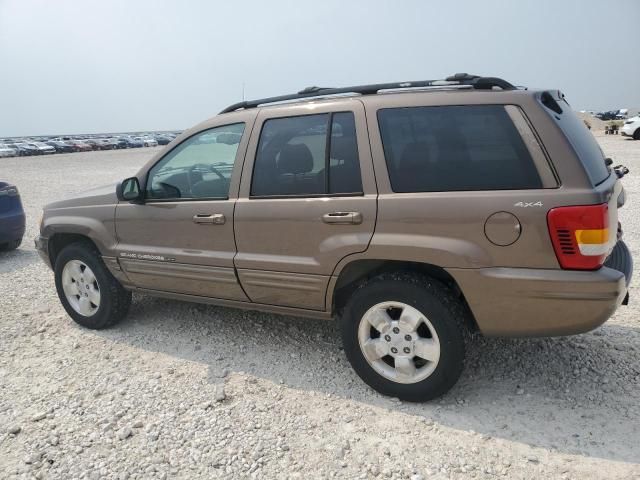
pixel 206 219
pixel 343 218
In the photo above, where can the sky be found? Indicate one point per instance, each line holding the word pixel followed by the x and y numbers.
pixel 86 66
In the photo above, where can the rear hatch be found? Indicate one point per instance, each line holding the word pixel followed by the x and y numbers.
pixel 597 236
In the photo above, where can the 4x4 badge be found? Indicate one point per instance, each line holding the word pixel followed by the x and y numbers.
pixel 528 204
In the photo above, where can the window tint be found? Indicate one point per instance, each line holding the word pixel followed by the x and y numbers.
pixel 200 167
pixel 344 163
pixel 431 149
pixel 292 156
pixel 583 142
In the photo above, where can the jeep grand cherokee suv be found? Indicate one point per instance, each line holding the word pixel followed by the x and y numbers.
pixel 412 212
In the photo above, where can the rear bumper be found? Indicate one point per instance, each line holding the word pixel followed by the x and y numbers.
pixel 520 302
pixel 12 226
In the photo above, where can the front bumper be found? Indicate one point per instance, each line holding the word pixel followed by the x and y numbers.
pixel 521 302
pixel 42 246
pixel 627 130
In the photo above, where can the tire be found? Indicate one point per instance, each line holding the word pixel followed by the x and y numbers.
pixel 439 308
pixel 114 300
pixel 7 247
pixel 636 134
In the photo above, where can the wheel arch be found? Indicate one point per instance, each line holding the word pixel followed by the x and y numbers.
pixel 355 272
pixel 60 240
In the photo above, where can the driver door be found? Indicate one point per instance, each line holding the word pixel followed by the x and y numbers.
pixel 181 239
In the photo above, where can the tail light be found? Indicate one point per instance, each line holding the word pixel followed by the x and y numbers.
pixel 9 191
pixel 580 235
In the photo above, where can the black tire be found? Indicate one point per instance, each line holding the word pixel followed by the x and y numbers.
pixel 436 302
pixel 114 299
pixel 7 247
pixel 636 134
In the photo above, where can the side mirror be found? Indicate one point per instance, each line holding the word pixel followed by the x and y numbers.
pixel 129 191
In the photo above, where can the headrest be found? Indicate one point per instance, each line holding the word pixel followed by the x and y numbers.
pixel 295 159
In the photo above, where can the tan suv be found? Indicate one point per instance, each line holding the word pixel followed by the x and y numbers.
pixel 412 212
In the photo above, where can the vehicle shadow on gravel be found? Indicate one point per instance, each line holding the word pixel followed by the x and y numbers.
pixel 17 259
pixel 575 395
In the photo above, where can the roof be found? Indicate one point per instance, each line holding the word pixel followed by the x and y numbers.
pixel 458 80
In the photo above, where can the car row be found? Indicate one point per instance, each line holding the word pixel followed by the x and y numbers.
pixel 24 147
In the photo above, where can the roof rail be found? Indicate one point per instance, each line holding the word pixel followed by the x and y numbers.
pixel 475 81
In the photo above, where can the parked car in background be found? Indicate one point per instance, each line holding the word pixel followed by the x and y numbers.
pixel 163 139
pixel 60 146
pixel 43 148
pixel 80 146
pixel 121 142
pixel 7 151
pixel 136 142
pixel 12 218
pixel 631 128
pixel 149 142
pixel 107 144
pixel 95 144
pixel 26 148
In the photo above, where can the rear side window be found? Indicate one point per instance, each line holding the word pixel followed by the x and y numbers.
pixel 582 141
pixel 307 155
pixel 455 148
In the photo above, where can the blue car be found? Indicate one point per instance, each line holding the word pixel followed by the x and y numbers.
pixel 12 219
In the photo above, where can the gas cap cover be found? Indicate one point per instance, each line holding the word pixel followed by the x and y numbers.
pixel 502 228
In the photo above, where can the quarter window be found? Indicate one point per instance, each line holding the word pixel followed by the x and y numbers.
pixel 200 167
pixel 307 155
pixel 455 148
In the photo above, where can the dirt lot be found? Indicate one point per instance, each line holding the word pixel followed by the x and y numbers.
pixel 144 399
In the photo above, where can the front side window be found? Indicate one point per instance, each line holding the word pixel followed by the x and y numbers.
pixel 307 155
pixel 455 148
pixel 200 167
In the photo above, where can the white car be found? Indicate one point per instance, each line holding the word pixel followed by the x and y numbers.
pixel 43 148
pixel 631 128
pixel 150 142
pixel 7 151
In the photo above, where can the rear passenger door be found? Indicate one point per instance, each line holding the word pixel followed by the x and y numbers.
pixel 307 199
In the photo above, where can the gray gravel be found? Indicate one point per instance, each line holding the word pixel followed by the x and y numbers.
pixel 196 392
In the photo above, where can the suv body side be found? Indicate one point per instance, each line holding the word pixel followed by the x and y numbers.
pixel 280 256
pixel 517 289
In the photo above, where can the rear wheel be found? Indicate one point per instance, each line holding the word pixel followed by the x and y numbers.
pixel 403 335
pixel 89 293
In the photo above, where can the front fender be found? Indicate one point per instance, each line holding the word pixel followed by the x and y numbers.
pixel 99 227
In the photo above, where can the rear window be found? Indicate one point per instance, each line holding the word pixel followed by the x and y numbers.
pixel 583 142
pixel 455 148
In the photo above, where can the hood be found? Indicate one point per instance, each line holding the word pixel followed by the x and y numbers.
pixel 105 195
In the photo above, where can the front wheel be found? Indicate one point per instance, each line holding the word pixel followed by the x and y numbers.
pixel 636 134
pixel 89 293
pixel 403 335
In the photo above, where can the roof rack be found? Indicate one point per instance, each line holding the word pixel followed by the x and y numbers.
pixel 474 81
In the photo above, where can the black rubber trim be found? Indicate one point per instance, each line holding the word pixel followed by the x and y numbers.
pixel 621 260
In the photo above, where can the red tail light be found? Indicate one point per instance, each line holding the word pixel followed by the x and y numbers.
pixel 580 235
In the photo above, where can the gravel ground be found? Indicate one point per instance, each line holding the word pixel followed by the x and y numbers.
pixel 189 391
